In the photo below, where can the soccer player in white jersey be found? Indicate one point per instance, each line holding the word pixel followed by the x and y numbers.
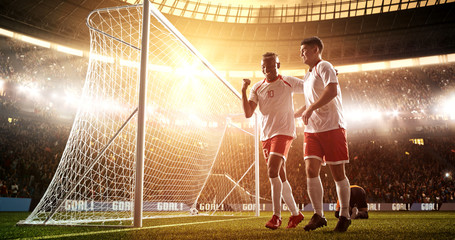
pixel 274 97
pixel 325 134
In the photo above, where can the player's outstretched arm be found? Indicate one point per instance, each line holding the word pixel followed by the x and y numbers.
pixel 248 106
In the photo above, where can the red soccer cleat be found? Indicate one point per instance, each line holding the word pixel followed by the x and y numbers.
pixel 273 223
pixel 295 220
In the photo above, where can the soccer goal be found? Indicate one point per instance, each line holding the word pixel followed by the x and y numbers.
pixel 182 148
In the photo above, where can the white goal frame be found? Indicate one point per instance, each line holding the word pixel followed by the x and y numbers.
pixel 148 10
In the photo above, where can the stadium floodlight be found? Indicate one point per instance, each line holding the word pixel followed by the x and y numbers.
pixel 358 115
pixel 68 50
pixel 54 95
pixel 373 66
pixel 98 180
pixel 402 63
pixel 34 91
pixel 5 32
pixel 35 41
pixel 159 68
pixel 429 60
pixel 348 68
pixel 451 57
pixel 448 107
pixel 376 114
pixel 128 63
pixel 101 58
pixel 72 99
pixel 394 113
pixel 241 74
pixel 30 89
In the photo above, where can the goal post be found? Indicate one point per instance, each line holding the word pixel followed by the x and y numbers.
pixel 159 132
pixel 138 192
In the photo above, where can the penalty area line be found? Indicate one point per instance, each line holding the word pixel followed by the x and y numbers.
pixel 132 229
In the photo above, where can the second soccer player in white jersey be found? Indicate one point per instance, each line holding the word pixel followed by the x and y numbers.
pixel 325 134
pixel 274 97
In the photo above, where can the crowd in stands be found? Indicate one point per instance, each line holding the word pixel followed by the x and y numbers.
pixel 442 76
pixel 30 152
pixel 46 71
pixel 405 89
pixel 31 145
pixel 391 169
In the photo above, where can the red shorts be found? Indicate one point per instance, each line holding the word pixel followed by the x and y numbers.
pixel 277 145
pixel 330 147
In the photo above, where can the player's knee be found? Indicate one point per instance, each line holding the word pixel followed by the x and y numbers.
pixel 338 178
pixel 311 172
pixel 272 172
pixel 312 167
pixel 274 166
pixel 338 175
pixel 283 177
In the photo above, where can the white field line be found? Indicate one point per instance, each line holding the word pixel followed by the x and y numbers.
pixel 132 229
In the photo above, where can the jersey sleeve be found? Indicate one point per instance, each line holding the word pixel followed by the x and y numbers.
pixel 327 73
pixel 253 94
pixel 296 84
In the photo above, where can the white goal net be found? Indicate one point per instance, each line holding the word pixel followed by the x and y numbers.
pixel 199 148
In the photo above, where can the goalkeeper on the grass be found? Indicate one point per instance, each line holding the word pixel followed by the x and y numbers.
pixel 274 97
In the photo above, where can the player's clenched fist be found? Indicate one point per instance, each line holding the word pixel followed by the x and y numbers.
pixel 246 83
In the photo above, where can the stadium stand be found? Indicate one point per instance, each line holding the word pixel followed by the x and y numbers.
pixel 389 166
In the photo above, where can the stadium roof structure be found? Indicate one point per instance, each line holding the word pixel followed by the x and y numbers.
pixel 233 37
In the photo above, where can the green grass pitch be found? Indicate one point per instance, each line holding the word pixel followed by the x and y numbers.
pixel 381 225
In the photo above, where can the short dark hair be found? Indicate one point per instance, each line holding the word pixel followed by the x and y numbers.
pixel 271 55
pixel 313 41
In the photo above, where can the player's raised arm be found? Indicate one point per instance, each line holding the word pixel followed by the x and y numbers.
pixel 248 106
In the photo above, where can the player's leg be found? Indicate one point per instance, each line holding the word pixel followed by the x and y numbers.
pixel 273 166
pixel 315 193
pixel 313 155
pixel 288 198
pixel 342 187
pixel 344 195
pixel 336 155
pixel 361 202
pixel 362 213
pixel 314 184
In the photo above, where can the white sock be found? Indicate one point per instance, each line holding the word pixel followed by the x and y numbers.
pixel 276 195
pixel 316 192
pixel 289 198
pixel 344 195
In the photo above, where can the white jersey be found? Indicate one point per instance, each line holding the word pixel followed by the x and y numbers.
pixel 276 105
pixel 329 116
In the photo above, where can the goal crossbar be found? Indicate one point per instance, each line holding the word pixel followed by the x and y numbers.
pixel 163 20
